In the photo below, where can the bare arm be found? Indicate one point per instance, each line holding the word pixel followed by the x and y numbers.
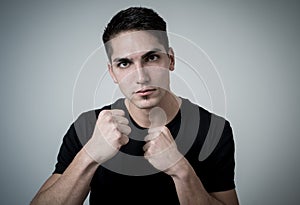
pixel 191 191
pixel 161 151
pixel 72 186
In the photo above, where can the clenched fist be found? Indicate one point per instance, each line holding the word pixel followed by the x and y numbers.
pixel 160 149
pixel 110 133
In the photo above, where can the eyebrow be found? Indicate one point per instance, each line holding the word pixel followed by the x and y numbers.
pixel 143 56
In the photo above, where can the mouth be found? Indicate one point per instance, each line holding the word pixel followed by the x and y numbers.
pixel 145 91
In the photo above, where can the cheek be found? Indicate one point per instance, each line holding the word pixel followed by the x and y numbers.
pixel 126 82
pixel 159 77
pixel 124 76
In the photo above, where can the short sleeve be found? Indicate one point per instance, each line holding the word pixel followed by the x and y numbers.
pixel 218 168
pixel 77 135
pixel 68 150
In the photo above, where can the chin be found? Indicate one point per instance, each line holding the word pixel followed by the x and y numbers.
pixel 148 103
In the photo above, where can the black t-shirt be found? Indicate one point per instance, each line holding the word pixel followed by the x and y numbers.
pixel 210 152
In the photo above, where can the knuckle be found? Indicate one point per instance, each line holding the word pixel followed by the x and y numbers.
pixel 121 112
pixel 118 135
pixel 104 112
pixel 109 118
pixel 114 128
pixel 165 129
pixel 153 143
pixel 118 112
pixel 105 116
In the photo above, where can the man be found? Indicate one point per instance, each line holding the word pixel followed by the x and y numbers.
pixel 143 149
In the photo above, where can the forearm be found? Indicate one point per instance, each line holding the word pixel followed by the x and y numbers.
pixel 189 188
pixel 72 186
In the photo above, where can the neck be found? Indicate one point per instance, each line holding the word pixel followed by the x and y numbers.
pixel 169 104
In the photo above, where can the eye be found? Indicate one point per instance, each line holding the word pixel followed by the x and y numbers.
pixel 123 64
pixel 152 58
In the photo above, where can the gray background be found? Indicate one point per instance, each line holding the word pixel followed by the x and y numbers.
pixel 254 45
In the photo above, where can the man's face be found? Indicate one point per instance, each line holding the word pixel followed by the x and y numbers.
pixel 140 66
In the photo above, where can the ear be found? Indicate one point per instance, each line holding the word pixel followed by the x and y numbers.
pixel 172 59
pixel 111 73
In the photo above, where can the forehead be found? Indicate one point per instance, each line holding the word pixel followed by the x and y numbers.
pixel 133 42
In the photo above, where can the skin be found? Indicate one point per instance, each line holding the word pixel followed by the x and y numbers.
pixel 140 65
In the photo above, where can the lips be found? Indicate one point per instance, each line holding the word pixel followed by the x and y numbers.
pixel 145 91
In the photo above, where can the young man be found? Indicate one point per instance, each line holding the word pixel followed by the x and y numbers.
pixel 145 148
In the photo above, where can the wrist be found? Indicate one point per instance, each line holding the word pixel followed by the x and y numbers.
pixel 86 158
pixel 180 170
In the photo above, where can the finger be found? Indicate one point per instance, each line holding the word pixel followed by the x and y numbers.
pixel 121 120
pixel 123 140
pixel 117 112
pixel 146 146
pixel 165 131
pixel 155 129
pixel 152 136
pixel 124 129
pixel 167 134
pixel 147 156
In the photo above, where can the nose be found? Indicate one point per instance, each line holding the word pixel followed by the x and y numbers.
pixel 142 74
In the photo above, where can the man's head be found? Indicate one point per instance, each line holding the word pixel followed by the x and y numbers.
pixel 139 55
pixel 135 19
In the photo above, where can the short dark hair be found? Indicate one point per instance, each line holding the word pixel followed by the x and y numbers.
pixel 135 19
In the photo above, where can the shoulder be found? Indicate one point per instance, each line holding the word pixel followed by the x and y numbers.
pixel 206 116
pixel 91 115
pixel 213 133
